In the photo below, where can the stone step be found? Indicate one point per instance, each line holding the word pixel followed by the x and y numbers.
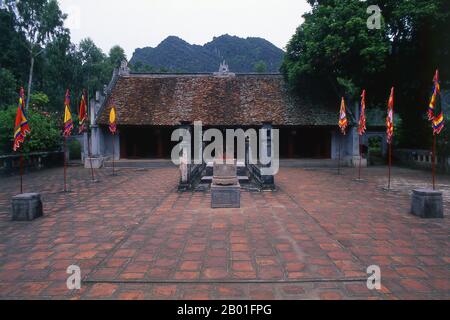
pixel 210 178
pixel 133 164
pixel 241 169
pixel 310 163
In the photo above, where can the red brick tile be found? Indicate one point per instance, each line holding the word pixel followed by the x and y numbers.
pixel 330 295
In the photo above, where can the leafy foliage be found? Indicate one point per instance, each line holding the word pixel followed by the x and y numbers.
pixel 333 53
pixel 45 134
pixel 8 88
pixel 260 67
pixel 39 100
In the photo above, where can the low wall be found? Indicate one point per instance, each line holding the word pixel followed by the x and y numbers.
pixel 10 164
pixel 421 159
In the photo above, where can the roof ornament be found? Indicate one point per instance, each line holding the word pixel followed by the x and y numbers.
pixel 224 71
pixel 124 70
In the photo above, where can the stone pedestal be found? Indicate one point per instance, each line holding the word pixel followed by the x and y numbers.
pixel 97 163
pixel 226 196
pixel 354 161
pixel 225 187
pixel 427 203
pixel 26 207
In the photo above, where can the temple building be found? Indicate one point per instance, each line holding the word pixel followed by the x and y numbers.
pixel 150 106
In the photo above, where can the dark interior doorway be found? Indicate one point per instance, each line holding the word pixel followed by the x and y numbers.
pixel 146 142
pixel 305 142
pixel 155 142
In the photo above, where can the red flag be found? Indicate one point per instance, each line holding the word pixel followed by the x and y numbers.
pixel 436 114
pixel 390 118
pixel 21 127
pixel 436 92
pixel 362 117
pixel 343 122
pixel 82 114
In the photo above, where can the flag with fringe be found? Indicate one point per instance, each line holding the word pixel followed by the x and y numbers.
pixel 435 112
pixel 21 127
pixel 82 114
pixel 113 121
pixel 343 122
pixel 390 118
pixel 68 122
pixel 362 116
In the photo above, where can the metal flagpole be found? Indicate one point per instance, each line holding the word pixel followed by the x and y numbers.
pixel 89 140
pixel 90 157
pixel 390 165
pixel 21 172
pixel 434 161
pixel 360 158
pixel 65 164
pixel 339 156
pixel 113 156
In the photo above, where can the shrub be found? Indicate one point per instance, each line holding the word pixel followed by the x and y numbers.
pixel 45 134
pixel 75 150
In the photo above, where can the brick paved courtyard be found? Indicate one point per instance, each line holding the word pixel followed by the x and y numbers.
pixel 135 237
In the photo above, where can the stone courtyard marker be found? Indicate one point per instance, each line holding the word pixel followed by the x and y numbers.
pixel 26 207
pixel 225 187
pixel 427 203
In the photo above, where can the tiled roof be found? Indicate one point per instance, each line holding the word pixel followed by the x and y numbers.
pixel 166 100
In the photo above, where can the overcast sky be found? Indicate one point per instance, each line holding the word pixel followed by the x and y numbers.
pixel 141 23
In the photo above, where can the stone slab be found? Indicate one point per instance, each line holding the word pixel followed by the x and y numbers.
pixel 427 203
pixel 26 207
pixel 225 196
pixel 97 163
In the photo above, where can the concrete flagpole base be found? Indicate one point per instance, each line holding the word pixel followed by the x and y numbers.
pixel 427 204
pixel 26 207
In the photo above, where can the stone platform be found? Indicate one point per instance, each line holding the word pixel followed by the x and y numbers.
pixel 135 237
pixel 427 203
pixel 26 207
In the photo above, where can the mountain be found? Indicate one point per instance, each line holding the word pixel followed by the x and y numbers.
pixel 242 55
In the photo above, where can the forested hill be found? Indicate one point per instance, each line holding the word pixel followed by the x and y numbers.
pixel 242 55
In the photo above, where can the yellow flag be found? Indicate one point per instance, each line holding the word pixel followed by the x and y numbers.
pixel 112 115
pixel 112 121
pixel 67 115
pixel 68 123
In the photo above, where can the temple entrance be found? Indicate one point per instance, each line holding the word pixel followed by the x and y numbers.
pixel 304 142
pixel 155 142
pixel 146 142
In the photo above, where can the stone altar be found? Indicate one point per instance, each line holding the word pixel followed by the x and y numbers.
pixel 225 187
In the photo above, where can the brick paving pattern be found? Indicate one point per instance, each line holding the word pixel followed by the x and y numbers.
pixel 135 237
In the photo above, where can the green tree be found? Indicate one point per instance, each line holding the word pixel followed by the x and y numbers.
pixel 420 43
pixel 260 67
pixel 334 51
pixel 8 88
pixel 116 56
pixel 40 21
pixel 39 101
pixel 60 69
pixel 45 135
pixel 13 53
pixel 95 67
